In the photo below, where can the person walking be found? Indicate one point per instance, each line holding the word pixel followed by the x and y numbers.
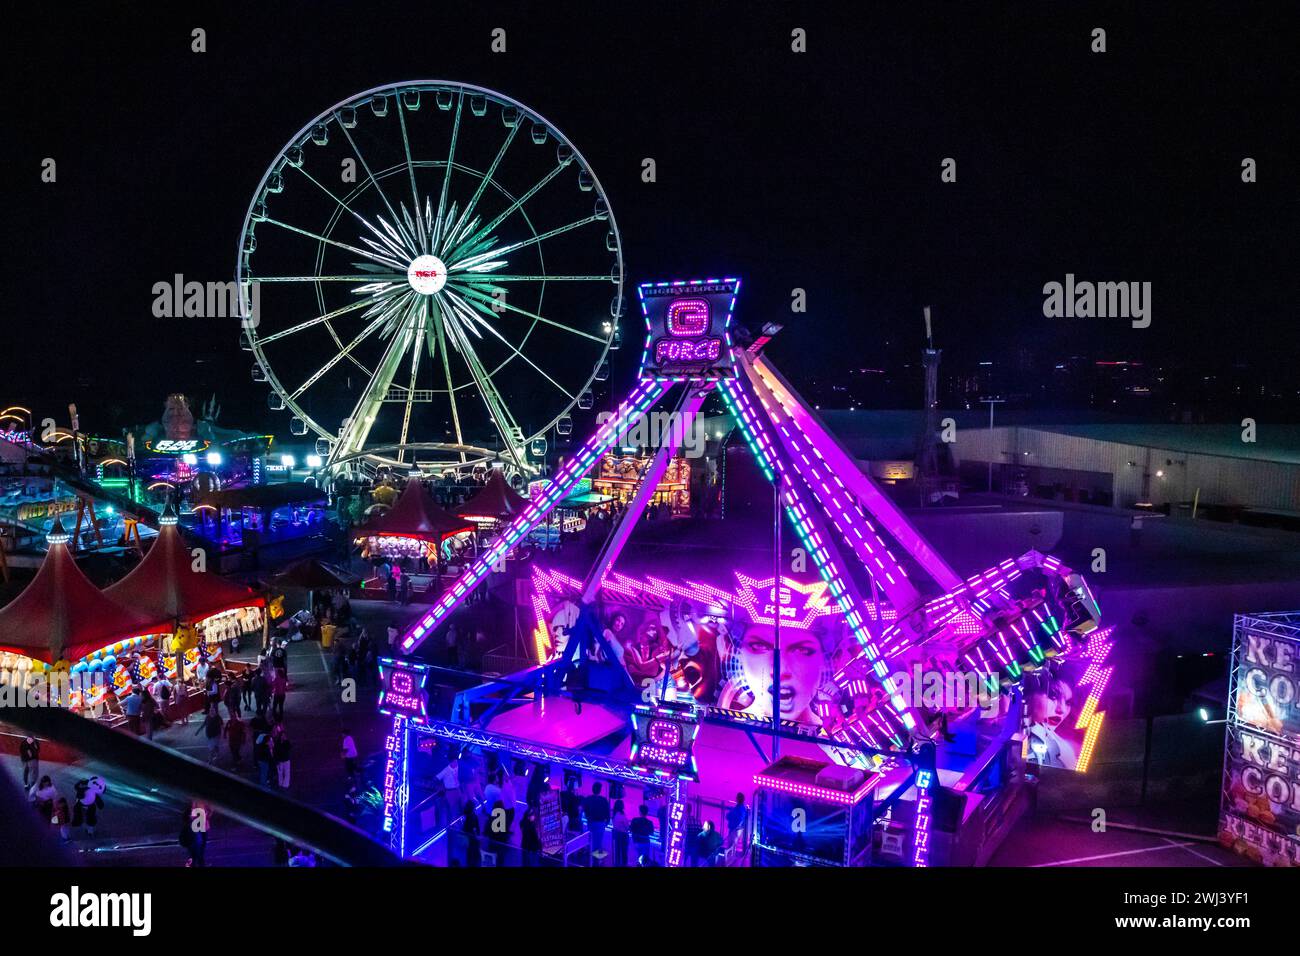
pixel 571 805
pixel 262 756
pixel 246 690
pixel 279 688
pixel 211 728
pixel 29 751
pixel 618 824
pixel 529 839
pixel 349 756
pixel 234 698
pixel 261 692
pixel 131 708
pixel 236 734
pixel 281 750
pixel 596 809
pixel 90 800
pixel 42 796
pixel 641 828
pixel 737 820
pixel 62 818
pixel 148 713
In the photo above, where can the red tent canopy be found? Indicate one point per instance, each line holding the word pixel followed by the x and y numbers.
pixel 165 585
pixel 496 499
pixel 61 614
pixel 415 515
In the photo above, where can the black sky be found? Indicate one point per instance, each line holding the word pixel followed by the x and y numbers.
pixel 816 170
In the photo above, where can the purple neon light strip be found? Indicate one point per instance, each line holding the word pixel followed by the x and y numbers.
pixel 642 397
pixel 798 511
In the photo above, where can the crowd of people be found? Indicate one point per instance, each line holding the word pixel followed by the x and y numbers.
pixel 477 801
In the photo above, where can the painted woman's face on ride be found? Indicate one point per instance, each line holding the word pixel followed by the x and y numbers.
pixel 802 662
pixel 1052 706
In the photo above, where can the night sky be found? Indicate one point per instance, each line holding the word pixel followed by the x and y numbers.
pixel 818 170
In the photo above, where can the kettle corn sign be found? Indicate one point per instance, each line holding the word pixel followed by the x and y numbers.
pixel 1260 810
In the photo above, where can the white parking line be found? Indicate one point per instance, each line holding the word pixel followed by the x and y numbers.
pixel 1207 859
pixel 1110 856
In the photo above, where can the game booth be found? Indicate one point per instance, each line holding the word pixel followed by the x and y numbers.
pixel 101 643
pixel 414 528
pixel 874 709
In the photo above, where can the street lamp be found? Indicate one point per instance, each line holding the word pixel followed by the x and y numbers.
pixel 990 402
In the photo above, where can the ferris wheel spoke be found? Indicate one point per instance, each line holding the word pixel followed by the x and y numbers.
pixel 368 253
pixel 471 315
pixel 389 244
pixel 419 315
pixel 311 322
pixel 475 261
pixel 482 300
pixel 371 176
pixel 500 277
pixel 362 277
pixel 446 175
pixel 518 203
pixel 446 370
pixel 483 183
pixel 410 171
pixel 317 375
pixel 500 415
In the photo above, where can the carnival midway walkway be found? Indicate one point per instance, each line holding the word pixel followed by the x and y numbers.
pixel 140 822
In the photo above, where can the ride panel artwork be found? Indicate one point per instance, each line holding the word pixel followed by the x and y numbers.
pixel 715 645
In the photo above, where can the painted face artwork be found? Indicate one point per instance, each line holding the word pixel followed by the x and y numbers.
pixel 802 664
pixel 1051 707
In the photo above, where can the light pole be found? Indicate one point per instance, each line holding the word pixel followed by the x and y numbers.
pixel 990 402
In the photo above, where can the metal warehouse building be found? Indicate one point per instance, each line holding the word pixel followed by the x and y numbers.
pixel 1124 465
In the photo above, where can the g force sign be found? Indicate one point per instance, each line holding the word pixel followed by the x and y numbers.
pixel 688 329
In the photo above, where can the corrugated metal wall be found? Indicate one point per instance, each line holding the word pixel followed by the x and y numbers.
pixel 1222 480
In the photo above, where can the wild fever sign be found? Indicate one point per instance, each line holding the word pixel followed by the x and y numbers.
pixel 1260 812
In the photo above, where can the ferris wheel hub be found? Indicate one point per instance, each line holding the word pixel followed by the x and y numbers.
pixel 426 274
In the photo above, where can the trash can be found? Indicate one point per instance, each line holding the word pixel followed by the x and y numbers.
pixel 326 635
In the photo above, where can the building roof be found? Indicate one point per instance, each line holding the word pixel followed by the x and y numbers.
pixel 1274 442
pixel 415 515
pixel 62 615
pixel 165 585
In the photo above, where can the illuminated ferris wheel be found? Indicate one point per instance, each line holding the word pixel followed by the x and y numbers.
pixel 432 276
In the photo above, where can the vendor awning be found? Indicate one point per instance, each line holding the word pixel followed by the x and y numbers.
pixel 414 515
pixel 62 615
pixel 496 499
pixel 165 584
